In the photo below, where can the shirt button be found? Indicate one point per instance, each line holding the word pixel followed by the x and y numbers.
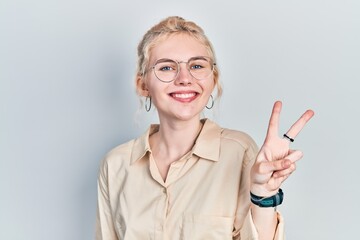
pixel 159 227
pixel 164 190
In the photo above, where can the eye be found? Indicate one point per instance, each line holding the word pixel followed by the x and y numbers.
pixel 197 66
pixel 166 66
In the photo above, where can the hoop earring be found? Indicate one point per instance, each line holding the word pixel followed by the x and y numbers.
pixel 212 102
pixel 148 103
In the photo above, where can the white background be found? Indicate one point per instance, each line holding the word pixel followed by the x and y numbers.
pixel 67 97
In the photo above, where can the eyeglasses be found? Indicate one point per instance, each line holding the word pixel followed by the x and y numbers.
pixel 167 70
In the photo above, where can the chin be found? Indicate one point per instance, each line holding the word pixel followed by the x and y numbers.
pixel 188 116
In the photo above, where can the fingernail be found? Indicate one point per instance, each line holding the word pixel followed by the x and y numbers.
pixel 286 163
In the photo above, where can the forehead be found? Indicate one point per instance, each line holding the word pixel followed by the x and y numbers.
pixel 179 47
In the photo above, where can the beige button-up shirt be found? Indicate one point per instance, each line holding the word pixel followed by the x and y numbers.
pixel 205 195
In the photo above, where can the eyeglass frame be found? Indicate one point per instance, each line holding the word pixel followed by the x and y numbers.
pixel 213 64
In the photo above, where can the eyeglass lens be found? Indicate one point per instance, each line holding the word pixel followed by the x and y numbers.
pixel 166 70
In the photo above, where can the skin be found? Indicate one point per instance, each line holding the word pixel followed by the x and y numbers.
pixel 275 162
pixel 179 105
pixel 167 98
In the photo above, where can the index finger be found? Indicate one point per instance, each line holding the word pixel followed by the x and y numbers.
pixel 300 123
pixel 273 127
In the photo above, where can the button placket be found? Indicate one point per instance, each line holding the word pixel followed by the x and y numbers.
pixel 161 214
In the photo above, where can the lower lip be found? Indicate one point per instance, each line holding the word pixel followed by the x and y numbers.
pixel 184 100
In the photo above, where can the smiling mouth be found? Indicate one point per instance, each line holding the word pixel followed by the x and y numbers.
pixel 184 97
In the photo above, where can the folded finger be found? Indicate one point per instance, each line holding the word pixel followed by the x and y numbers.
pixel 272 166
pixel 294 155
pixel 285 172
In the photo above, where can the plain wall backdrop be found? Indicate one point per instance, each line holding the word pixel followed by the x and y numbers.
pixel 67 97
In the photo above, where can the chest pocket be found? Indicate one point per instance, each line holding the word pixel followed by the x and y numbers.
pixel 202 227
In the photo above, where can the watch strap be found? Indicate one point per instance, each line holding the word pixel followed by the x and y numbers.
pixel 272 201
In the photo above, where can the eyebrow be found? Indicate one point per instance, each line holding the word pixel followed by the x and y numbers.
pixel 199 57
pixel 192 58
pixel 164 60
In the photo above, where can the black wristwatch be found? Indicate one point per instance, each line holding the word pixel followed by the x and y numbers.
pixel 272 201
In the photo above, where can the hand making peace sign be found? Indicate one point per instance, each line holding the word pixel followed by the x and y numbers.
pixel 275 160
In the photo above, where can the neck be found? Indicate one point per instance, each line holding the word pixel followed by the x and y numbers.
pixel 175 139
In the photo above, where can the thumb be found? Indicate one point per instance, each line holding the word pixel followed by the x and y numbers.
pixel 277 165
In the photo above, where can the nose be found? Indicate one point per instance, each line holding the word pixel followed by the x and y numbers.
pixel 184 77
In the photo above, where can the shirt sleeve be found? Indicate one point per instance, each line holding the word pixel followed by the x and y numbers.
pixel 105 229
pixel 249 232
pixel 244 227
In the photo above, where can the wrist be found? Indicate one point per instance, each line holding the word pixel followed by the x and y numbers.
pixel 259 190
pixel 264 201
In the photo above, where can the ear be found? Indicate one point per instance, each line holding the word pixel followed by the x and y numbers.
pixel 141 87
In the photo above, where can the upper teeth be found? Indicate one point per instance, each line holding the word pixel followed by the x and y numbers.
pixel 184 95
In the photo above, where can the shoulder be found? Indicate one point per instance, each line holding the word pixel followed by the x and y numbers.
pixel 118 156
pixel 213 134
pixel 240 143
pixel 239 137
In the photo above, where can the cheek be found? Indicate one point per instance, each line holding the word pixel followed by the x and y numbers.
pixel 209 85
pixel 155 87
pixel 150 83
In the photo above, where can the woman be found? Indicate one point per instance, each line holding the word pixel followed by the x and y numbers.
pixel 188 178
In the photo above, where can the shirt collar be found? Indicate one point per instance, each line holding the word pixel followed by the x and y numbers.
pixel 207 145
pixel 141 145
